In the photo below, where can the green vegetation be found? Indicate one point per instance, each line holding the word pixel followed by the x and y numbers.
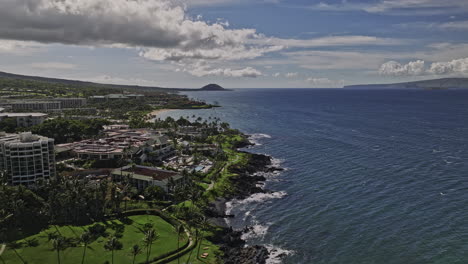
pixel 23 88
pixel 117 237
pixel 66 130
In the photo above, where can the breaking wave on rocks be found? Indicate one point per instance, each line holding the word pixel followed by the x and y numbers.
pixel 277 254
pixel 255 138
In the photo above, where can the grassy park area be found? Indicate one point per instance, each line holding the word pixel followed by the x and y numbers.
pixel 39 249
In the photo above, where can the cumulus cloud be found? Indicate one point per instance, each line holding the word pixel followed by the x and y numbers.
pixel 325 83
pixel 458 66
pixel 160 29
pixel 394 68
pixel 291 75
pixel 415 68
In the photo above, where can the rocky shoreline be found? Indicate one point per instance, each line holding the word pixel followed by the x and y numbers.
pixel 245 184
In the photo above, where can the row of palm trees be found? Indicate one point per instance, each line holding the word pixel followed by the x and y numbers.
pixel 60 243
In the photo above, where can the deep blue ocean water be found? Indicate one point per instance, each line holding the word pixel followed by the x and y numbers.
pixel 372 176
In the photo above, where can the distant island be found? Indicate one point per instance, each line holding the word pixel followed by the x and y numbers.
pixel 435 84
pixel 76 83
pixel 213 87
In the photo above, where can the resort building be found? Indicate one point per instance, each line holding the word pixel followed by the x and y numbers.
pixel 71 102
pixel 26 158
pixel 35 105
pixel 116 97
pixel 142 177
pixel 121 144
pixel 25 119
pixel 47 104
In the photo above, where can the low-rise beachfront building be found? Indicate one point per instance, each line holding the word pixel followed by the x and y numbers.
pixel 108 97
pixel 121 144
pixel 26 158
pixel 142 177
pixel 116 127
pixel 25 119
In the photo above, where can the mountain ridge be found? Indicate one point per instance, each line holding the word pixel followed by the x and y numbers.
pixel 118 86
pixel 432 84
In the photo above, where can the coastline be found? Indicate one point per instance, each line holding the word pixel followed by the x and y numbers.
pixel 155 113
pixel 246 184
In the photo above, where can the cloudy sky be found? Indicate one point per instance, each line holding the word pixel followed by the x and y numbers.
pixel 236 43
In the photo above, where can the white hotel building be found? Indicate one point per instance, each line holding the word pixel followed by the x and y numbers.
pixel 26 158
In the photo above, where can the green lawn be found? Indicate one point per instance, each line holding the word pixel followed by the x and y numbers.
pixel 43 253
pixel 206 247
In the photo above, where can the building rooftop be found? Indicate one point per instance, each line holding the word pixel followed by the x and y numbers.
pixel 26 137
pixel 22 114
pixel 116 141
pixel 146 173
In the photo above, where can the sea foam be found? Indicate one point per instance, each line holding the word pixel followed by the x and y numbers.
pixel 276 254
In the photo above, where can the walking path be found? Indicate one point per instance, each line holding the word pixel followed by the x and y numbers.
pixel 2 248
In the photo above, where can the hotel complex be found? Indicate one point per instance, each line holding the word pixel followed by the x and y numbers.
pixel 26 158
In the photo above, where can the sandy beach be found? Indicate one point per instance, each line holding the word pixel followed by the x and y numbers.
pixel 155 113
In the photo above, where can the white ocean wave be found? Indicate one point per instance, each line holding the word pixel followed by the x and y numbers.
pixel 261 197
pixel 276 162
pixel 260 135
pixel 254 138
pixel 255 231
pixel 277 254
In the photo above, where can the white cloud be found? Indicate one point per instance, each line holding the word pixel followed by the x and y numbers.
pixel 325 83
pixel 398 7
pixel 276 75
pixel 291 75
pixel 458 67
pixel 224 72
pixel 19 47
pixel 418 68
pixel 328 41
pixel 393 68
pixel 456 25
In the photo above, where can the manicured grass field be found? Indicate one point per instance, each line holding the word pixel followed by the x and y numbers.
pixel 206 247
pixel 96 254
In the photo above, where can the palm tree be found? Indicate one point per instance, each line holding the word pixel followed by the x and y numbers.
pixel 135 250
pixel 59 244
pixel 113 244
pixel 204 226
pixel 150 237
pixel 180 229
pixel 85 238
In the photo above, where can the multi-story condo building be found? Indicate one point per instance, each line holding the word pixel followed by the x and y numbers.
pixel 26 158
pixel 47 104
pixel 36 105
pixel 71 102
pixel 25 119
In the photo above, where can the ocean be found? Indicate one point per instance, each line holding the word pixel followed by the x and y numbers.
pixel 371 176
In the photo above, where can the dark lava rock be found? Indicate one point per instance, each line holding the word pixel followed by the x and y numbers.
pixel 247 255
